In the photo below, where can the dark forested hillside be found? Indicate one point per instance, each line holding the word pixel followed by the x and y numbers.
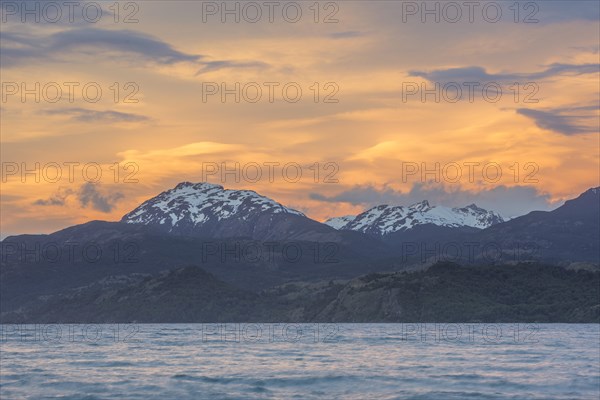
pixel 445 292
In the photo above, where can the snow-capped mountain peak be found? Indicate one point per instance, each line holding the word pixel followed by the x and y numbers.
pixel 385 219
pixel 194 204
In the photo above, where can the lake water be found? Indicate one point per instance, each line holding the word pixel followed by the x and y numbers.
pixel 304 361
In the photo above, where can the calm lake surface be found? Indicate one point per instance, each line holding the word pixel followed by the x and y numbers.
pixel 303 361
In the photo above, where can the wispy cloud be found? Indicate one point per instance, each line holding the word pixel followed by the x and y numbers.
pixel 56 14
pixel 566 121
pixel 211 66
pixel 85 115
pixel 18 49
pixel 57 199
pixel 479 74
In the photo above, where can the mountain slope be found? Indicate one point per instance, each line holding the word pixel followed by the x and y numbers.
pixel 448 292
pixel 571 232
pixel 181 295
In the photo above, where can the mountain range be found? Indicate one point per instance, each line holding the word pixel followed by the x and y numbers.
pixel 254 243
pixel 209 210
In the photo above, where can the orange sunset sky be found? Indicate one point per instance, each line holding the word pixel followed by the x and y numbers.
pixel 368 56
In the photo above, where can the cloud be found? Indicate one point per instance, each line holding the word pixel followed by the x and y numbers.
pixel 362 195
pixel 469 82
pixel 84 115
pixel 57 13
pixel 346 35
pixel 5 198
pixel 188 150
pixel 17 50
pixel 479 74
pixel 508 201
pixel 529 13
pixel 126 41
pixel 560 11
pixel 87 195
pixel 211 66
pixel 57 199
pixel 20 48
pixel 566 121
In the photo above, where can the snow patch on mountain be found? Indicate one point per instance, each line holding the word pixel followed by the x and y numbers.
pixel 339 222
